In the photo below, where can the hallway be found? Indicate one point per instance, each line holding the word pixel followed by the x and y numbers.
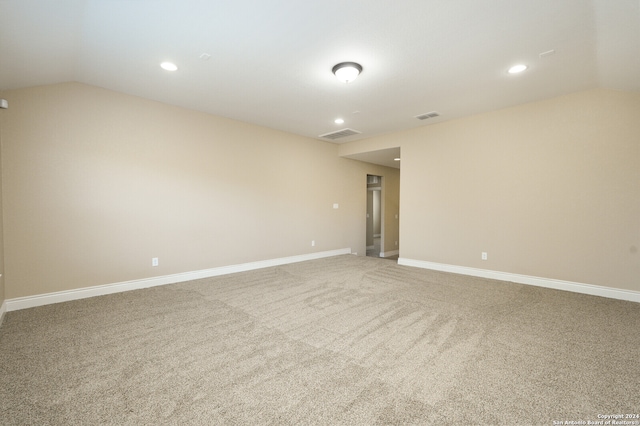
pixel 375 251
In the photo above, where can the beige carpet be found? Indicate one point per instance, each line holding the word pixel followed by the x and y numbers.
pixel 342 340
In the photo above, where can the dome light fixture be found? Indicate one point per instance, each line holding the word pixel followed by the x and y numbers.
pixel 347 71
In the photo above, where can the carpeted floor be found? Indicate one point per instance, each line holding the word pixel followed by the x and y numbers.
pixel 341 340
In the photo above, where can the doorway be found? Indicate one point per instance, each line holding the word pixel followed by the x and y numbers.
pixel 375 230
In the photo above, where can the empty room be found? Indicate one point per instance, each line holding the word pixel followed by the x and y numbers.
pixel 339 212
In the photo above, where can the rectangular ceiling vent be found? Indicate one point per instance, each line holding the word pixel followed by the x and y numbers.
pixel 427 115
pixel 340 134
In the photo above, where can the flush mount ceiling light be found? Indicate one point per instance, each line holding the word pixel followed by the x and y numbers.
pixel 347 71
pixel 338 121
pixel 169 66
pixel 396 159
pixel 517 69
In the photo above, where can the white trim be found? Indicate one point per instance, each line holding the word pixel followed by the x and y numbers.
pixel 389 253
pixel 100 290
pixel 3 309
pixel 594 290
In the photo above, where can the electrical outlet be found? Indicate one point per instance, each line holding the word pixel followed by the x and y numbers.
pixel 396 243
pixel 154 261
pixel 484 255
pixel 313 243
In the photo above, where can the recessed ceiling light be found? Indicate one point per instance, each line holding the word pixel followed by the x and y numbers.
pixel 338 121
pixel 517 68
pixel 347 71
pixel 169 66
pixel 396 159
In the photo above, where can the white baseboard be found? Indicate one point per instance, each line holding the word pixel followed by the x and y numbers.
pixel 3 309
pixel 82 293
pixel 594 290
pixel 389 253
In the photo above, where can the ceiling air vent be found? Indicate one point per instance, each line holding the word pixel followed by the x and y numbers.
pixel 340 134
pixel 427 115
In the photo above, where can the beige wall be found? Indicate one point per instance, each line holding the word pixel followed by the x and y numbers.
pixel 96 183
pixel 370 240
pixel 2 292
pixel 549 189
pixel 391 211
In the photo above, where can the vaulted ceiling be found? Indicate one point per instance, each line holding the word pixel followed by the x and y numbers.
pixel 269 62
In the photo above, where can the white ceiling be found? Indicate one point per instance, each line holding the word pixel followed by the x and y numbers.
pixel 384 157
pixel 271 60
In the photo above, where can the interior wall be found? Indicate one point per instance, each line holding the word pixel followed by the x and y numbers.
pixel 548 189
pixel 2 292
pixel 391 211
pixel 377 213
pixel 97 183
pixel 370 218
